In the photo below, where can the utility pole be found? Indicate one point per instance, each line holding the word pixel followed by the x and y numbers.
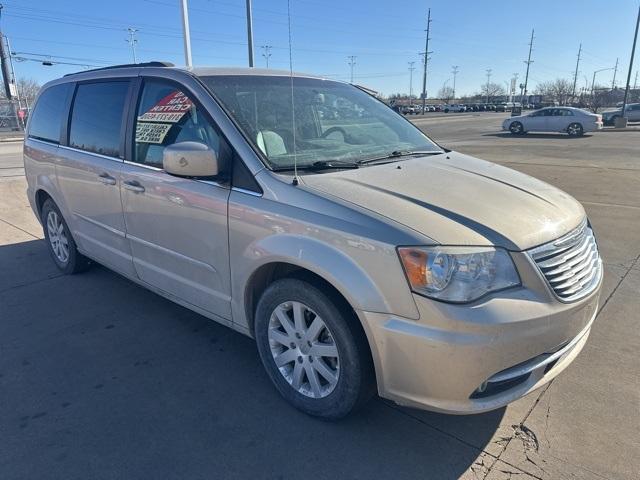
pixel 4 65
pixel 186 33
pixel 523 90
pixel 514 82
pixel 615 71
pixel 411 69
pixel 633 52
pixel 250 32
pixel 426 61
pixel 352 63
pixel 488 80
pixel 575 75
pixel 132 41
pixel 455 73
pixel 635 82
pixel 266 52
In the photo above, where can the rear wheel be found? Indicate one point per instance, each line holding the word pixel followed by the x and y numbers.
pixel 575 130
pixel 61 245
pixel 313 353
pixel 516 128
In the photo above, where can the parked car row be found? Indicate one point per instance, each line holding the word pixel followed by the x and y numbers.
pixel 462 107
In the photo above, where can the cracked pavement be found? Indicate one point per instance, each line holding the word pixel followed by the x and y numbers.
pixel 100 378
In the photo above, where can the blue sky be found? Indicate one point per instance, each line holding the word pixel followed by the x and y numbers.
pixel 385 36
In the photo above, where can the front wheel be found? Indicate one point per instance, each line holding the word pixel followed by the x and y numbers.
pixel 61 245
pixel 312 351
pixel 575 130
pixel 516 128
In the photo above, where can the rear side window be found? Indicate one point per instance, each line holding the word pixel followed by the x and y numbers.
pixel 96 119
pixel 46 120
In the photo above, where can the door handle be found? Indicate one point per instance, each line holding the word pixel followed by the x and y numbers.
pixel 134 186
pixel 106 179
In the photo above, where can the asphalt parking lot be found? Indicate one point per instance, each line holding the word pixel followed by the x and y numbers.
pixel 100 378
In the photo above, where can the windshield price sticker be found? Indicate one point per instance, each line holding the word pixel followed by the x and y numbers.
pixel 151 132
pixel 169 109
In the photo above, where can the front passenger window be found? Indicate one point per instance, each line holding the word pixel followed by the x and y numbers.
pixel 166 115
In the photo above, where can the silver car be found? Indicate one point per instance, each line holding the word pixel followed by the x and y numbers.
pixel 631 113
pixel 573 121
pixel 360 255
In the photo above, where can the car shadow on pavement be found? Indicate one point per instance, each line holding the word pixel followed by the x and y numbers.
pixel 547 136
pixel 103 377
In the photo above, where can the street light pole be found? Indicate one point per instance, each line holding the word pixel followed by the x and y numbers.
pixel 593 82
pixel 411 69
pixel 186 34
pixel 488 80
pixel 455 73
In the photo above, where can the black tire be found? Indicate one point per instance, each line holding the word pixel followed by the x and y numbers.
pixel 516 128
pixel 575 130
pixel 356 380
pixel 76 262
pixel 446 110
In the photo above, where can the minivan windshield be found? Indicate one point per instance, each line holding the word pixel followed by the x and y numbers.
pixel 316 121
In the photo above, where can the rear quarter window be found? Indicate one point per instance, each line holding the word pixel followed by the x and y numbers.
pixel 97 117
pixel 47 118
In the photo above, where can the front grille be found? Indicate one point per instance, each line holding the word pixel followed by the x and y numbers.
pixel 571 265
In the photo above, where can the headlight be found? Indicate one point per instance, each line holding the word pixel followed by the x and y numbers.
pixel 458 274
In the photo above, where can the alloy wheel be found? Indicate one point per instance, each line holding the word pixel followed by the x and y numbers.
pixel 574 129
pixel 303 349
pixel 57 237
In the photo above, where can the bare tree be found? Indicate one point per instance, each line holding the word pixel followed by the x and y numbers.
pixel 490 90
pixel 558 90
pixel 27 91
pixel 446 94
pixel 28 88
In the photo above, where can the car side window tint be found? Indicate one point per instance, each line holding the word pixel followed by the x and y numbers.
pixel 47 118
pixel 96 118
pixel 166 115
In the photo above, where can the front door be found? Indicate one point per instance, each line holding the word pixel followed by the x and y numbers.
pixel 536 121
pixel 89 172
pixel 177 227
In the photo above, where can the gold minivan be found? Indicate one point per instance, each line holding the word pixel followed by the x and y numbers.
pixel 305 213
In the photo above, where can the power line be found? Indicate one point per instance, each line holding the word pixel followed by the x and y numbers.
pixel 352 63
pixel 266 53
pixel 132 41
pixel 411 69
pixel 426 62
pixel 575 75
pixel 523 90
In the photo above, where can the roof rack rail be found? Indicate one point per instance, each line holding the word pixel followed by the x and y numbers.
pixel 126 65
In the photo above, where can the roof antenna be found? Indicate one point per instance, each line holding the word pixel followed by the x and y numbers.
pixel 293 112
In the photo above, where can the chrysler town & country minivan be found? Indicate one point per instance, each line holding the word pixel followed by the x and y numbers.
pixel 362 256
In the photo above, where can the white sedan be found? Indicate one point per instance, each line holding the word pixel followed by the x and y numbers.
pixel 573 121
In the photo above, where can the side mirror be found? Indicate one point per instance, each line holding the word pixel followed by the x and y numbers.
pixel 190 159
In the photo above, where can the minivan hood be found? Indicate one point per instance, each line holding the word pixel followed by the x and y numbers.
pixel 455 199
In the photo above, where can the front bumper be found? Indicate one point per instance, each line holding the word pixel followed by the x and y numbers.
pixel 474 358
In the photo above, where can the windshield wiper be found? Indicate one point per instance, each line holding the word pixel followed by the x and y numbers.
pixel 322 165
pixel 398 154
